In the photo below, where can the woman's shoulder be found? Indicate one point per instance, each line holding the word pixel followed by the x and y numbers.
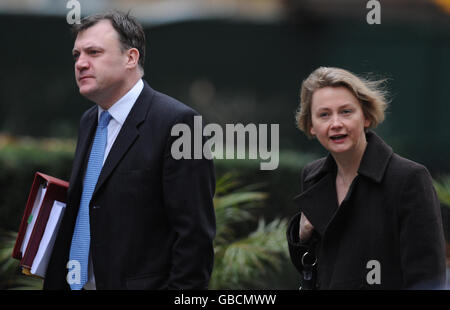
pixel 404 164
pixel 403 167
pixel 314 167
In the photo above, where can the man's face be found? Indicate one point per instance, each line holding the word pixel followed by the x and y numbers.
pixel 100 64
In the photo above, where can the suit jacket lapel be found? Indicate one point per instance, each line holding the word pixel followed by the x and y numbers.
pixel 127 135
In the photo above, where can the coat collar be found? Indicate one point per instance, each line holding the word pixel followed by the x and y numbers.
pixel 319 201
pixel 376 157
pixel 373 163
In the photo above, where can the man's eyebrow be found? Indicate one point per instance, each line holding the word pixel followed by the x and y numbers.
pixel 89 47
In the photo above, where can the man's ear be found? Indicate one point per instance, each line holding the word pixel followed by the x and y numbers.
pixel 132 58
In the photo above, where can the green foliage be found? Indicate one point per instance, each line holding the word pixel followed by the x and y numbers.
pixel 10 274
pixel 244 259
pixel 443 190
pixel 20 158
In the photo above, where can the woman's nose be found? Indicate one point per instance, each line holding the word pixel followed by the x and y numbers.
pixel 336 122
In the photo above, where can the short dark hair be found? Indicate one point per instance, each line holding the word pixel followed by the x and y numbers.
pixel 131 33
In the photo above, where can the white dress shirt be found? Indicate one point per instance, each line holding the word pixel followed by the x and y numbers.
pixel 119 112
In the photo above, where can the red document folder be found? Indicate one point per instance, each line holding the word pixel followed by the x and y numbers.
pixel 56 189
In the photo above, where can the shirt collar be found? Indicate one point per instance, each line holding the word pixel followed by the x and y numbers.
pixel 120 110
pixel 373 163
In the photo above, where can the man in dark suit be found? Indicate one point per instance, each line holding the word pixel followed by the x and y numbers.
pixel 148 221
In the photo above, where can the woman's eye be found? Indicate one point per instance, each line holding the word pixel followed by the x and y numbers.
pixel 323 114
pixel 346 111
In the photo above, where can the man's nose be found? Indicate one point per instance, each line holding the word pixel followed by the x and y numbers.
pixel 81 63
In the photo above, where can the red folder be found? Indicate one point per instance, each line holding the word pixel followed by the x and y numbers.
pixel 56 189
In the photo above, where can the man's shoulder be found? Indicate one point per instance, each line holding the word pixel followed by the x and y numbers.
pixel 166 105
pixel 89 113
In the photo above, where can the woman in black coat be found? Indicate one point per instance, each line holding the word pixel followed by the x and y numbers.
pixel 369 219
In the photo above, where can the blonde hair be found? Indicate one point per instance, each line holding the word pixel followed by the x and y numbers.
pixel 370 95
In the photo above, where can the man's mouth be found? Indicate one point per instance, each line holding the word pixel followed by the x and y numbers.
pixel 85 77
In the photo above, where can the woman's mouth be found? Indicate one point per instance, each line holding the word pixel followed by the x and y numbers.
pixel 338 138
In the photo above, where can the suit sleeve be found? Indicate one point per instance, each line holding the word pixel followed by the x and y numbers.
pixel 421 233
pixel 189 186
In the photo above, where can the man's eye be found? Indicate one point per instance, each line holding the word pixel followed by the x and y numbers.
pixel 75 56
pixel 93 52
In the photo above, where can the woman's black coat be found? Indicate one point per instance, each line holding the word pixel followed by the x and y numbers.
pixel 386 234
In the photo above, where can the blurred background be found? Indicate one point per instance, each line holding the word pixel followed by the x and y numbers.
pixel 234 61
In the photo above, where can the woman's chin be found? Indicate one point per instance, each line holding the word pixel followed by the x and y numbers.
pixel 338 148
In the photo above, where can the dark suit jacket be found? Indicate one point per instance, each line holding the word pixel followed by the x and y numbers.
pixel 391 214
pixel 152 217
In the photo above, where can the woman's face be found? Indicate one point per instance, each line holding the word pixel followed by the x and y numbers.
pixel 338 120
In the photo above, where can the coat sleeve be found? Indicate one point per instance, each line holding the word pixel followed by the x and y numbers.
pixel 297 248
pixel 189 186
pixel 422 244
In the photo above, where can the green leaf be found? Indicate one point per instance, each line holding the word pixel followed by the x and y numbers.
pixel 443 190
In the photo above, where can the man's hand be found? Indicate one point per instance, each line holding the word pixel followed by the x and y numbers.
pixel 306 228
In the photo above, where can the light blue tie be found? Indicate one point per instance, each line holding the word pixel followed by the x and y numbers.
pixel 81 239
